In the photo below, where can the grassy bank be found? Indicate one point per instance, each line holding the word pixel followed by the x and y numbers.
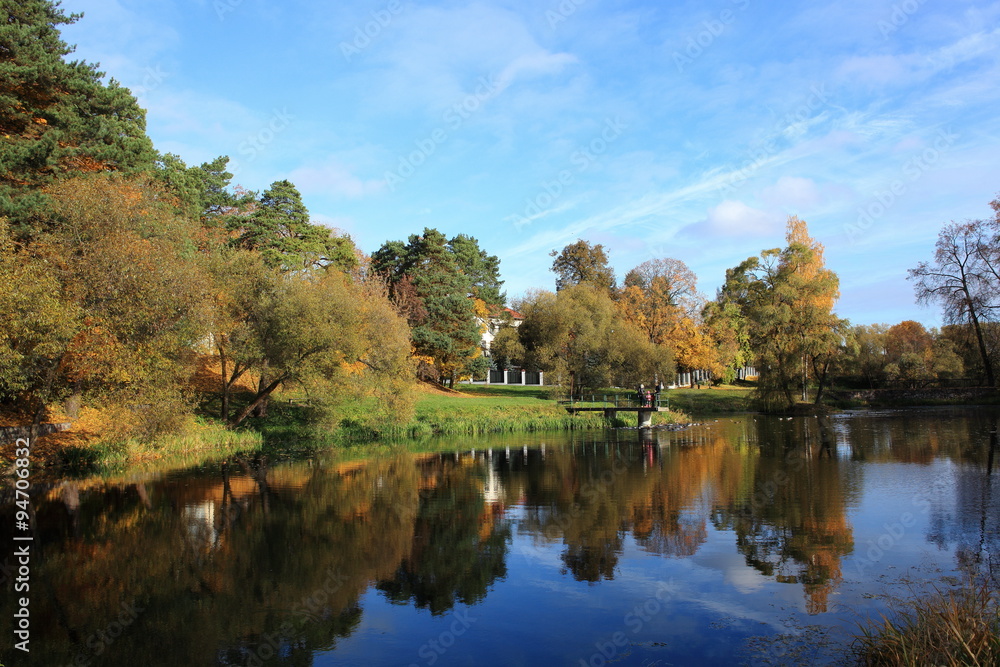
pixel 471 410
pixel 710 400
pixel 289 430
pixel 954 627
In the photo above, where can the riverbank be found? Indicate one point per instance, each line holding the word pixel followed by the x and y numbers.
pixel 288 431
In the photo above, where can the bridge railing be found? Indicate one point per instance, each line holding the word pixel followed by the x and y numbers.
pixel 630 400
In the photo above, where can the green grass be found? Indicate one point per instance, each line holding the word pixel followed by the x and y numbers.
pixel 710 400
pixel 206 440
pixel 290 431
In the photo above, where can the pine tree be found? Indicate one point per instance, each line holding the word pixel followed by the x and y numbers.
pixel 438 284
pixel 279 228
pixel 57 118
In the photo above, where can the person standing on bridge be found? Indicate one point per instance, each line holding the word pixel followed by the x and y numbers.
pixel 640 394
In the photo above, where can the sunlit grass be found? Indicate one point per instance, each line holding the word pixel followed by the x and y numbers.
pixel 205 441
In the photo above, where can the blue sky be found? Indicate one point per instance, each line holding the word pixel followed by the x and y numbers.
pixel 658 129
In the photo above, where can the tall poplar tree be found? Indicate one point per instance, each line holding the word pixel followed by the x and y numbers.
pixel 786 296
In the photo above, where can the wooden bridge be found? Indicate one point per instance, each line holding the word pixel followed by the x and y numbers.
pixel 611 405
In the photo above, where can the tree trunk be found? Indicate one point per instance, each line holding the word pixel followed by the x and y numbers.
pixel 987 364
pixel 261 409
pixel 224 412
pixel 821 377
pixel 262 396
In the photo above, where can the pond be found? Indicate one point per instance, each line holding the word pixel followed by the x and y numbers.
pixel 747 539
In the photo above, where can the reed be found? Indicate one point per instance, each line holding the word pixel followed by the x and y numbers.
pixel 950 628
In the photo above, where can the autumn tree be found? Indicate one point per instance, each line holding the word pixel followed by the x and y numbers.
pixel 57 118
pixel 578 336
pixel 660 297
pixel 123 258
pixel 582 262
pixel 787 296
pixel 965 279
pixel 657 294
pixel 329 335
pixel 37 325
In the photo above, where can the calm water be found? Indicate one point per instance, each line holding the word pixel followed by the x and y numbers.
pixel 750 540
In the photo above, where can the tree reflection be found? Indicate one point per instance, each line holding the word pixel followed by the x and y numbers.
pixel 458 548
pixel 793 526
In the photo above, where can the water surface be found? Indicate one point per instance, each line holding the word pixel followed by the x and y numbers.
pixel 750 539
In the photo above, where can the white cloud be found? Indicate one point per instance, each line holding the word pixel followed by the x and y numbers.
pixel 792 192
pixel 734 218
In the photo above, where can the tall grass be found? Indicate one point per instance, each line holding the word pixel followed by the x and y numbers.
pixel 955 627
pixel 202 442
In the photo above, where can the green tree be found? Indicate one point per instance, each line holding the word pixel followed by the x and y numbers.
pixel 582 262
pixel 482 269
pixel 727 329
pixel 203 193
pixel 578 336
pixel 57 118
pixel 328 334
pixel 445 288
pixel 279 228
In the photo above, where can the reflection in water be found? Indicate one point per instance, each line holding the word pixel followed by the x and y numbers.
pixel 253 563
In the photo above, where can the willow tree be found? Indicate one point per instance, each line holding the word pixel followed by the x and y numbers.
pixel 578 336
pixel 787 297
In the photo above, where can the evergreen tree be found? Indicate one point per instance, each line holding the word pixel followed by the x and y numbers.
pixel 57 118
pixel 279 228
pixel 439 284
